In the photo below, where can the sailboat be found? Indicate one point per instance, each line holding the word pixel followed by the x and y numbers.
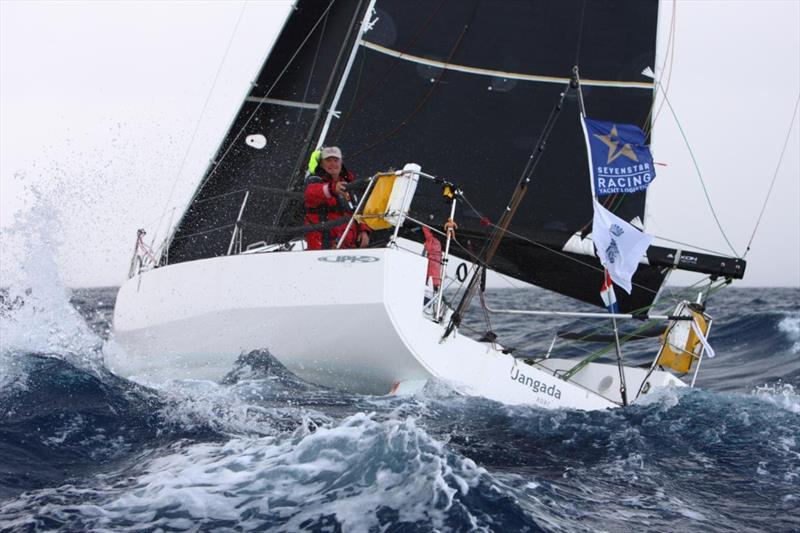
pixel 466 117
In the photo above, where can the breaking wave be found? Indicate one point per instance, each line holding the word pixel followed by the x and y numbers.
pixel 82 449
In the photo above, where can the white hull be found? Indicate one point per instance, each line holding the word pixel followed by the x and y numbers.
pixel 346 319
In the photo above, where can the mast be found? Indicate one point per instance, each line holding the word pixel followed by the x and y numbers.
pixel 331 111
pixel 328 104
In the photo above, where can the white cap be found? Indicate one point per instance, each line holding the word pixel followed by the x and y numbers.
pixel 331 151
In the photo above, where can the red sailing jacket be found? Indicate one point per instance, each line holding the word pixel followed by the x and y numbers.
pixel 322 205
pixel 433 249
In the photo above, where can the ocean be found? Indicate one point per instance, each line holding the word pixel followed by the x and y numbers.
pixel 82 449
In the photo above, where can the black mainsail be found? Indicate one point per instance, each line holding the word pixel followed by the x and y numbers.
pixel 462 87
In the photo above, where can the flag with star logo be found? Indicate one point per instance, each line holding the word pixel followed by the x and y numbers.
pixel 619 159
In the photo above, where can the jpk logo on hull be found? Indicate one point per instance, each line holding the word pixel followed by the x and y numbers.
pixel 348 259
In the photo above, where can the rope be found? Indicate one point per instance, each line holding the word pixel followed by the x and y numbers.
pixel 383 78
pixel 580 35
pixel 556 252
pixel 700 175
pixel 146 250
pixel 261 102
pixel 681 294
pixel 629 336
pixel 774 176
pixel 199 121
pixel 312 69
pixel 424 100
pixel 669 55
pixel 295 230
pixel 692 246
pixel 218 228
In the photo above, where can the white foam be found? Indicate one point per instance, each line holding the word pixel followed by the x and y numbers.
pixel 790 326
pixel 780 394
pixel 665 397
pixel 350 470
pixel 230 409
pixel 38 317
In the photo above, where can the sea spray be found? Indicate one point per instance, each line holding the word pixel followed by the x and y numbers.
pixel 35 313
pixel 790 326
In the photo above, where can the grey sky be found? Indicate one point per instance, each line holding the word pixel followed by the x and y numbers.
pixel 98 102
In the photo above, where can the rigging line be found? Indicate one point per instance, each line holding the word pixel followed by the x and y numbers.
pixel 380 80
pixel 683 293
pixel 424 100
pixel 334 84
pixel 218 228
pixel 691 246
pixel 261 102
pixel 625 336
pixel 774 176
pixel 199 120
pixel 334 136
pixel 312 69
pixel 607 348
pixel 486 317
pixel 580 35
pixel 669 55
pixel 490 246
pixel 699 175
pixel 563 254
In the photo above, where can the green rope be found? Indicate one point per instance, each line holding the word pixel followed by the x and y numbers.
pixel 699 175
pixel 608 347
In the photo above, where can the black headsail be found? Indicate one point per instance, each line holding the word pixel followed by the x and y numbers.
pixel 285 105
pixel 462 87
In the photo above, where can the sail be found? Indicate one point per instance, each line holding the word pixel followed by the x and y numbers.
pixel 284 105
pixel 462 88
pixel 465 88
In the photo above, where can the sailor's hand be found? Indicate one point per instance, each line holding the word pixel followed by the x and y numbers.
pixel 340 188
pixel 363 239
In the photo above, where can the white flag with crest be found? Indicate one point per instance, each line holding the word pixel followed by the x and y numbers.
pixel 619 245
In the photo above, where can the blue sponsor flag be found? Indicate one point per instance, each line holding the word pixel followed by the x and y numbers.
pixel 619 160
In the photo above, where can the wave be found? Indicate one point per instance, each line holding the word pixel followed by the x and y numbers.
pixel 360 474
pixel 790 326
pixel 35 312
pixel 100 452
pixel 81 448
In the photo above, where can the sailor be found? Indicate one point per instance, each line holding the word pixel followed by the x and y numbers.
pixel 326 199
